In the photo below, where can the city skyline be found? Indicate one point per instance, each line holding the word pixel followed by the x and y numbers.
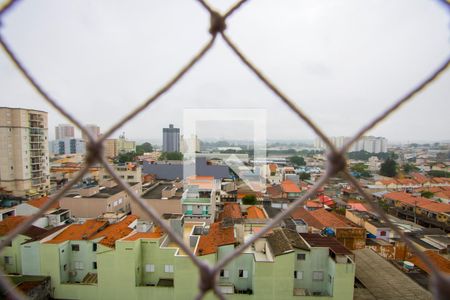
pixel 343 79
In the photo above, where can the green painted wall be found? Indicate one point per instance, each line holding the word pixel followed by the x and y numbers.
pixel 121 273
pixel 244 261
pixel 31 258
pixel 15 261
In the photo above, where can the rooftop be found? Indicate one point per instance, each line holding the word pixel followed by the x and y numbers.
pixel 320 218
pixel 231 210
pixel 442 263
pixel 76 232
pixel 217 236
pixel 316 240
pixel 156 192
pixel 115 231
pixel 40 202
pixel 289 186
pixel 421 202
pixel 254 212
pixel 12 222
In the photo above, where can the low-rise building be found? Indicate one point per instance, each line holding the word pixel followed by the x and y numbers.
pixel 129 172
pixel 418 209
pixel 201 193
pixel 93 201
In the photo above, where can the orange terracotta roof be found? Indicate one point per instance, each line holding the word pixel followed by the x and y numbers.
pixel 443 194
pixel 273 167
pixel 289 186
pixel 420 178
pixel 388 181
pixel 254 212
pixel 231 210
pixel 115 231
pixel 201 177
pixel 328 219
pixel 439 261
pixel 10 223
pixel 406 181
pixel 320 218
pixel 419 202
pixel 39 202
pixel 301 213
pixel 313 204
pixel 274 191
pixel 76 232
pixel 203 182
pixel 144 235
pixel 217 236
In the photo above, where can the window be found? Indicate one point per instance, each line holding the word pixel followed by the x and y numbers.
pixel 383 233
pixel 243 273
pixel 317 275
pixel 78 265
pixel 75 247
pixel 94 265
pixel 330 278
pixel 65 267
pixel 149 268
pixel 8 260
pixel 301 256
pixel 115 203
pixel 168 268
pixel 130 177
pixel 224 273
pixel 94 247
pixel 298 274
pixel 119 201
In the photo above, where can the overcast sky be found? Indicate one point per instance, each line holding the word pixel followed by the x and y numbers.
pixel 342 62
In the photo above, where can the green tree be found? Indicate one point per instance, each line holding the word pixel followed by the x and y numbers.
pixel 408 168
pixel 304 176
pixel 427 194
pixel 144 148
pixel 171 156
pixel 361 170
pixel 249 200
pixel 297 160
pixel 389 168
pixel 436 173
pixel 125 157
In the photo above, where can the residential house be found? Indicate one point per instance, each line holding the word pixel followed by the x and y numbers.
pixel 200 196
pixel 93 201
pixel 419 209
pixel 11 256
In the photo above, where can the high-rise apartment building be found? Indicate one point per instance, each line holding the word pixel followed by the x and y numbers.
pixel 114 147
pixel 24 163
pixel 171 139
pixel 370 144
pixel 68 146
pixel 64 131
pixel 93 129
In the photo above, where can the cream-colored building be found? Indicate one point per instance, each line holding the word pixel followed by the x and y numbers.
pixel 24 162
pixel 114 147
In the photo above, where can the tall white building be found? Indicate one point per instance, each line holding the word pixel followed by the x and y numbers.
pixel 24 162
pixel 370 144
pixel 64 131
pixel 68 146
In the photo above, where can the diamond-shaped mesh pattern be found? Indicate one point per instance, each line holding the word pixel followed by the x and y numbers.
pixel 336 162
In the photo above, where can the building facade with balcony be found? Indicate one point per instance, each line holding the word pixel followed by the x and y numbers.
pixel 24 158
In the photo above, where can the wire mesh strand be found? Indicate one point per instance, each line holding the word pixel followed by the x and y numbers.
pixel 335 162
